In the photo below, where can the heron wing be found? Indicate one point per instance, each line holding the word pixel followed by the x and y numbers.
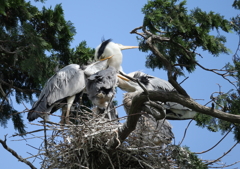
pixel 151 82
pixel 66 82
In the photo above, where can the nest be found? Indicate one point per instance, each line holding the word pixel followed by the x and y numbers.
pixel 84 144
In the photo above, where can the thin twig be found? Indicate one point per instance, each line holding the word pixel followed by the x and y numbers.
pixel 223 154
pixel 215 144
pixel 4 144
pixel 185 132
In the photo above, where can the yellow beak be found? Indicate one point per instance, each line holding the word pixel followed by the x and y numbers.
pixel 124 78
pixel 106 58
pixel 127 47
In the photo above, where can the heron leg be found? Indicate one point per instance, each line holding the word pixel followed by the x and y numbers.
pixel 69 104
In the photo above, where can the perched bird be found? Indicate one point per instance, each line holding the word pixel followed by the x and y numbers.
pixel 64 85
pixel 100 88
pixel 174 111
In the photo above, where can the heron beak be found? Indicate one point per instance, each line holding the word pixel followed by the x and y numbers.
pixel 127 47
pixel 106 58
pixel 124 78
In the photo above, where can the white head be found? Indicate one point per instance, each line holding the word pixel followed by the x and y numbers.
pixel 108 48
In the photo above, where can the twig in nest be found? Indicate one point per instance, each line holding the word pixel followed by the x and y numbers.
pixel 117 138
pixel 45 135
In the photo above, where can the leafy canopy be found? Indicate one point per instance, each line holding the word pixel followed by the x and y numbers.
pixel 182 32
pixel 33 43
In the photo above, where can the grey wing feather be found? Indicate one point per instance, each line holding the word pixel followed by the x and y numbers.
pixel 66 82
pixel 151 82
pixel 161 84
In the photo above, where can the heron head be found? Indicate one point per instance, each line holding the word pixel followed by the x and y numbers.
pixel 108 48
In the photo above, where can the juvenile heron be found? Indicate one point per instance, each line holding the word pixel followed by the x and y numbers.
pixel 174 111
pixel 155 133
pixel 100 88
pixel 150 130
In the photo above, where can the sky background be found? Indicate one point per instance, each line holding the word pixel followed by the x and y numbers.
pixel 113 19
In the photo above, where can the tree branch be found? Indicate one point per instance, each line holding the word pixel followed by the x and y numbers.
pixel 163 96
pixel 19 89
pixel 215 71
pixel 168 67
pixel 4 144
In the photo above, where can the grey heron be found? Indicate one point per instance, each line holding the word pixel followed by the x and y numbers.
pixel 174 111
pixel 70 80
pixel 100 88
pixel 64 85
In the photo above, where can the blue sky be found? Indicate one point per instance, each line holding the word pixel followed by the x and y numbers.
pixel 115 19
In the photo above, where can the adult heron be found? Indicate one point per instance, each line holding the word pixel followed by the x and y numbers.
pixel 174 111
pixel 70 80
pixel 63 86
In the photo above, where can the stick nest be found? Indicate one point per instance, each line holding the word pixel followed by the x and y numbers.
pixel 84 144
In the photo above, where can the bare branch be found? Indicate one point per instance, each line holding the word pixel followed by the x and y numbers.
pixel 164 96
pixel 215 71
pixel 4 144
pixel 223 154
pixel 215 144
pixel 185 132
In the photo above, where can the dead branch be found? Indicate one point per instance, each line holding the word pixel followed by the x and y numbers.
pixel 185 132
pixel 224 154
pixel 215 71
pixel 215 144
pixel 4 144
pixel 227 165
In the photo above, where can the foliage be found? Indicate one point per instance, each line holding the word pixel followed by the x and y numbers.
pixel 33 43
pixel 181 32
pixel 228 102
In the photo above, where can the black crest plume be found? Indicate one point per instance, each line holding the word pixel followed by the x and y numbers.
pixel 102 47
pixel 142 78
